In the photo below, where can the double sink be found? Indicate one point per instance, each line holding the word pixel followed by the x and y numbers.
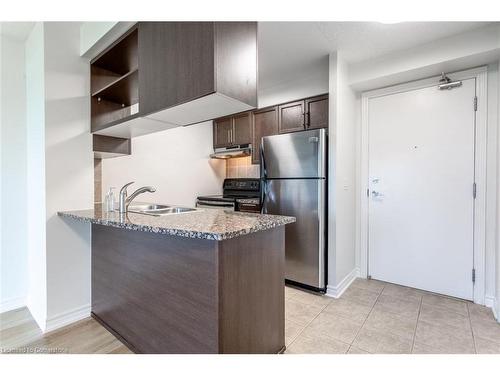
pixel 158 209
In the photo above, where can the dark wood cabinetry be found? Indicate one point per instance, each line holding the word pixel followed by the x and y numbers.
pixel 165 74
pixel 305 114
pixel 250 127
pixel 114 82
pixel 316 110
pixel 177 63
pixel 222 132
pixel 291 117
pixel 242 128
pixel 234 130
pixel 265 123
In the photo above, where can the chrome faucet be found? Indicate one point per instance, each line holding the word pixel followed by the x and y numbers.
pixel 125 199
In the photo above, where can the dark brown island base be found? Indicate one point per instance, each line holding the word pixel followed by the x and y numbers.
pixel 207 281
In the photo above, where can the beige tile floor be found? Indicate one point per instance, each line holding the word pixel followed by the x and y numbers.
pixel 370 317
pixel 377 317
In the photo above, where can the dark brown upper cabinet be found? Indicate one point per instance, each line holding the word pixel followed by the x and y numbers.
pixel 291 117
pixel 222 132
pixel 305 114
pixel 242 128
pixel 166 74
pixel 317 112
pixel 265 122
pixel 234 130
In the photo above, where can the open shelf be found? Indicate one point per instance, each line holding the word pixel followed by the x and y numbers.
pixel 122 90
pixel 122 56
pixel 115 82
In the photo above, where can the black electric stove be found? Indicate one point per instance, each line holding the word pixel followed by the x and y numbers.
pixel 240 194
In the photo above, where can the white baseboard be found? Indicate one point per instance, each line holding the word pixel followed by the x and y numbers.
pixel 67 317
pixel 12 304
pixel 489 301
pixel 338 290
pixel 496 309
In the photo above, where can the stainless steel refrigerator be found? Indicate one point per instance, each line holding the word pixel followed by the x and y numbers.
pixel 294 174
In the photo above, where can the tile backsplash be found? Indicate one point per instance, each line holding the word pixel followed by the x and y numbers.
pixel 242 168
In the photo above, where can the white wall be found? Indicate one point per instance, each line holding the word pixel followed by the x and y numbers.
pixel 496 307
pixel 14 253
pixel 174 161
pixel 311 82
pixel 35 120
pixel 68 173
pixel 459 52
pixel 342 178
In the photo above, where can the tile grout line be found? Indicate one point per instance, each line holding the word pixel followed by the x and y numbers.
pixel 364 321
pixel 471 330
pixel 416 325
pixel 307 325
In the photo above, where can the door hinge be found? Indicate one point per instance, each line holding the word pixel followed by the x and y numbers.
pixel 474 190
pixel 473 275
pixel 475 103
pixel 367 192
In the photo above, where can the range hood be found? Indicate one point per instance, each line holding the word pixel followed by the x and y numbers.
pixel 237 151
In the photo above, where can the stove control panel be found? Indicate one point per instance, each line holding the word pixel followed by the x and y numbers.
pixel 247 184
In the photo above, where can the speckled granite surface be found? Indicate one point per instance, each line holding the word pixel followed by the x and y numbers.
pixel 207 224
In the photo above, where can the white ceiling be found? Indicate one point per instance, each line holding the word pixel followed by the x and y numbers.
pixel 16 30
pixel 287 49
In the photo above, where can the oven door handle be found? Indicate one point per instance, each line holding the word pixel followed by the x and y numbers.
pixel 213 204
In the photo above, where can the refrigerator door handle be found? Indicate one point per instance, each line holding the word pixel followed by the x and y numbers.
pixel 263 173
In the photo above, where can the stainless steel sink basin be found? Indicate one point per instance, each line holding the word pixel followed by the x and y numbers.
pixel 146 207
pixel 158 209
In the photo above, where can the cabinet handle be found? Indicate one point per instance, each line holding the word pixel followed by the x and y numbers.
pixel 308 119
pixel 228 136
pixel 304 120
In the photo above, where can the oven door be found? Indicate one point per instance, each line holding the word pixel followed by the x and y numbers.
pixel 210 204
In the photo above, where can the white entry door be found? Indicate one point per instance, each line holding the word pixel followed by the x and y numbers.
pixel 421 175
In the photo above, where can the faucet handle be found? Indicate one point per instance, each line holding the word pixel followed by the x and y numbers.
pixel 123 190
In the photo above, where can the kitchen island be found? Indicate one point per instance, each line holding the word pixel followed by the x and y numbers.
pixel 205 281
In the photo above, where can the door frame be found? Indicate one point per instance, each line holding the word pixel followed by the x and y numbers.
pixel 480 147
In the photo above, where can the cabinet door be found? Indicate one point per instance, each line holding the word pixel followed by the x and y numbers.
pixel 265 122
pixel 242 128
pixel 223 128
pixel 291 117
pixel 317 112
pixel 176 63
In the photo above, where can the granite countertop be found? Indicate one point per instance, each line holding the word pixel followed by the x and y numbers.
pixel 206 224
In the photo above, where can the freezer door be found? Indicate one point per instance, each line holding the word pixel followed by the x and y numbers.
pixel 294 155
pixel 304 239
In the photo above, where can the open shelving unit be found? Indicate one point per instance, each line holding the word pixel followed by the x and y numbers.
pixel 115 82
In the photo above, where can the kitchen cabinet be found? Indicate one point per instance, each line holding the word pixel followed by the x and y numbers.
pixel 316 110
pixel 291 117
pixel 251 126
pixel 242 128
pixel 311 113
pixel 265 122
pixel 166 74
pixel 222 132
pixel 234 130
